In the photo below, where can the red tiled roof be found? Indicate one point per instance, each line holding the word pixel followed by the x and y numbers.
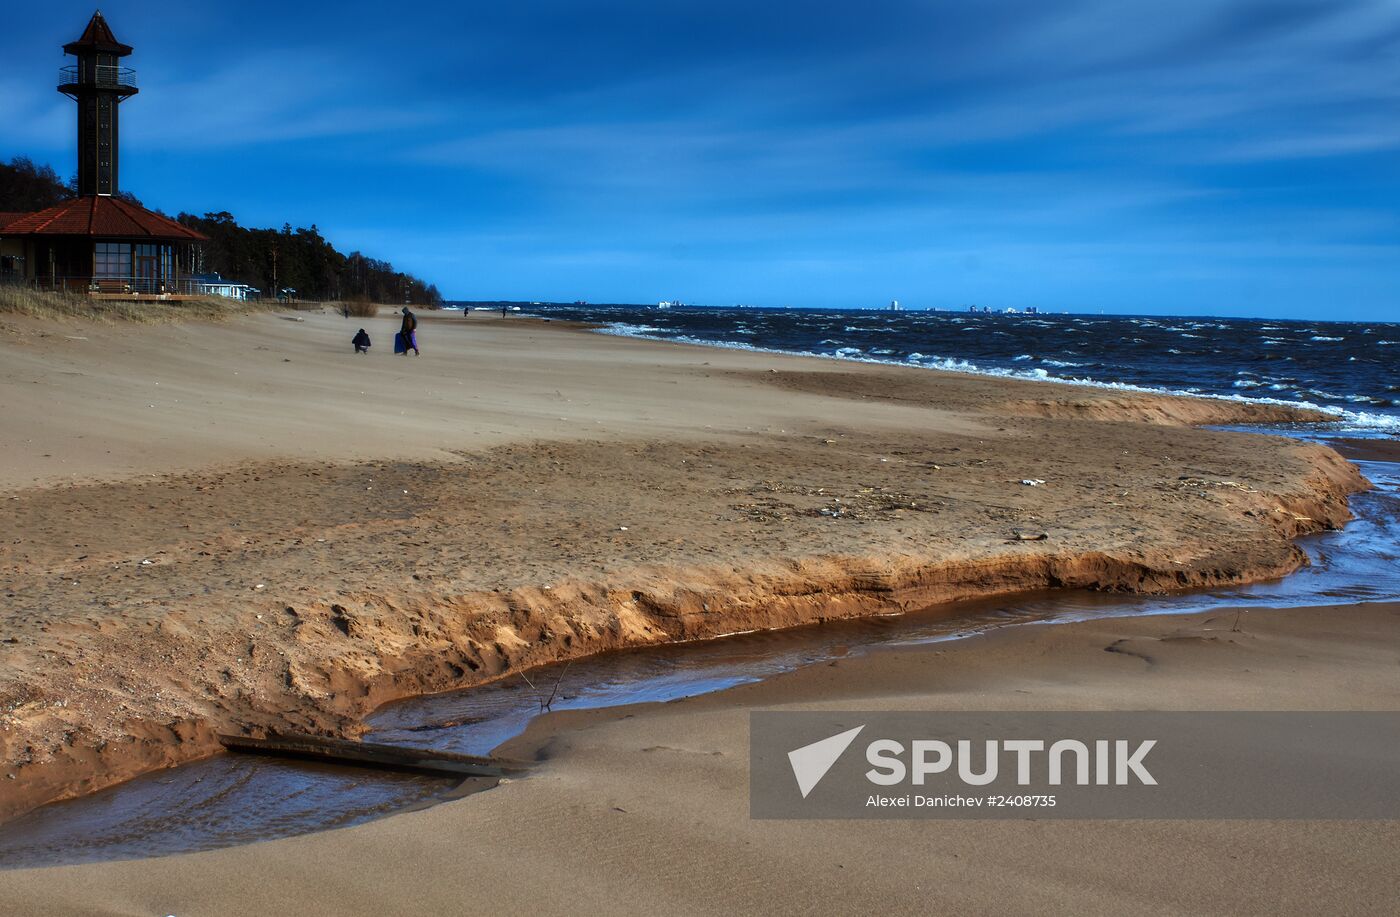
pixel 97 37
pixel 105 217
pixel 7 218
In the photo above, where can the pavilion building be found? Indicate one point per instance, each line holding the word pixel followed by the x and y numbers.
pixel 99 242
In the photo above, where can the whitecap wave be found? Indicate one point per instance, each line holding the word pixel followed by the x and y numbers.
pixel 1345 420
pixel 627 329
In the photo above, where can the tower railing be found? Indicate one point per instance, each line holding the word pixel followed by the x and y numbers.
pixel 107 75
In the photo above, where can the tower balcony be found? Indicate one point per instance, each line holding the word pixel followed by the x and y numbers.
pixel 103 76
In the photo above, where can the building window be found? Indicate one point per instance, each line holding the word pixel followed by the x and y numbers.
pixel 112 259
pixel 146 259
pixel 152 266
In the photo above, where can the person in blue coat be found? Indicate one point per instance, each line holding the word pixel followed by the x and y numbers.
pixel 408 333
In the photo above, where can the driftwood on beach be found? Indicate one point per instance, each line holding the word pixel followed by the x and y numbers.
pixel 372 755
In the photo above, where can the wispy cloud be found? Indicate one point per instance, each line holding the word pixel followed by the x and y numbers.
pixel 608 149
pixel 265 98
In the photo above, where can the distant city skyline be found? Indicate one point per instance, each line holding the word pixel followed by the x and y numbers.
pixel 1198 158
pixel 1383 319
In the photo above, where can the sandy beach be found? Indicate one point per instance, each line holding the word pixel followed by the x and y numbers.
pixel 644 810
pixel 244 527
pixel 918 459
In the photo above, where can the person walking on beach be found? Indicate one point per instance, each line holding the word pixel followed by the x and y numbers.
pixel 408 334
pixel 503 310
pixel 361 342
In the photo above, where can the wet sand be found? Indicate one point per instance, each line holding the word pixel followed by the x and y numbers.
pixel 1368 450
pixel 246 527
pixel 644 810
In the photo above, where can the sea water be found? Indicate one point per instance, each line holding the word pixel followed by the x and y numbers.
pixel 1350 370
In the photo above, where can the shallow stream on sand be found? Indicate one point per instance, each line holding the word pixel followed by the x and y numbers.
pixel 233 799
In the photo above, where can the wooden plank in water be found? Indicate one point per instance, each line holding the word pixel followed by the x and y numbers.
pixel 369 754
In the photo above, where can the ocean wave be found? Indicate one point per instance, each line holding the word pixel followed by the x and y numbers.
pixel 629 330
pixel 1345 419
pixel 1319 337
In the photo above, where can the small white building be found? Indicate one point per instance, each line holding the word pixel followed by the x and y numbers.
pixel 214 285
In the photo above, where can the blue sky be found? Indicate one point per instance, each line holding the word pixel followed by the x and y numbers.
pixel 1238 158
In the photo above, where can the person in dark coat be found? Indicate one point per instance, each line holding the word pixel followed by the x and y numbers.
pixel 408 331
pixel 361 342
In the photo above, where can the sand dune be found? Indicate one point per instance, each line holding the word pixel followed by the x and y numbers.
pixel 245 526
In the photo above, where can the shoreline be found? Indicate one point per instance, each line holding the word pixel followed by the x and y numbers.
pixel 1081 398
pixel 317 658
pixel 1302 411
pixel 629 798
pixel 1367 450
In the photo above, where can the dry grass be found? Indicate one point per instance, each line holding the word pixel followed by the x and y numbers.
pixel 21 300
pixel 359 308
